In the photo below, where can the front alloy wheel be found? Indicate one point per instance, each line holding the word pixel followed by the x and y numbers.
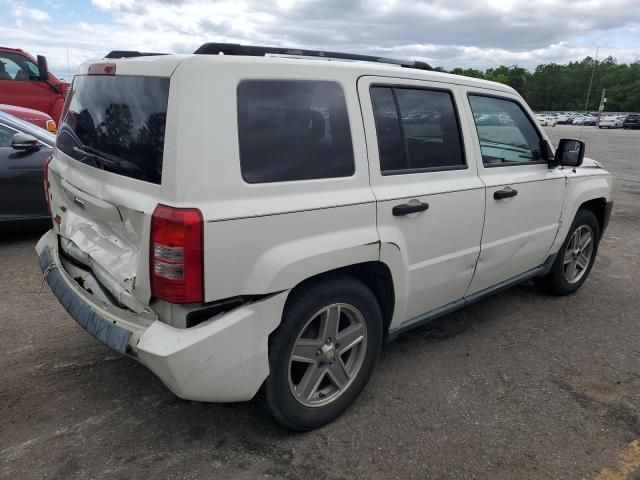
pixel 578 253
pixel 576 256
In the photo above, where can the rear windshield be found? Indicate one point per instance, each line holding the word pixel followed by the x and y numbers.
pixel 117 123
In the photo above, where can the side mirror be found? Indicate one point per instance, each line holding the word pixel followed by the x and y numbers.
pixel 25 143
pixel 569 153
pixel 44 69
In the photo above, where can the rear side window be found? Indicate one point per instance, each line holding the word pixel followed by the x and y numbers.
pixel 117 123
pixel 417 130
pixel 293 130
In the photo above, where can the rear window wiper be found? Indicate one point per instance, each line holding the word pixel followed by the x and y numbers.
pixel 107 159
pixel 96 154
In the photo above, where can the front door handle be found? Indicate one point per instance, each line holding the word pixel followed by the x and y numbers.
pixel 506 192
pixel 407 208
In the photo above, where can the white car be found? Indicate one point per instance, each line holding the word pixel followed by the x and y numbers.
pixel 546 120
pixel 610 122
pixel 585 120
pixel 261 218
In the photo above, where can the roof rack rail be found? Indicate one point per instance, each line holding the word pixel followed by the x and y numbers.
pixel 257 51
pixel 130 54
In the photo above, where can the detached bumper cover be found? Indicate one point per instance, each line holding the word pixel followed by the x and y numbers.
pixel 223 359
pixel 110 334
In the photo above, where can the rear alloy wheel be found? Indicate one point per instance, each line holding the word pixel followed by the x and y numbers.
pixel 327 355
pixel 323 353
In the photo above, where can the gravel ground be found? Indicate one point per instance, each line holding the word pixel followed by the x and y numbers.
pixel 520 385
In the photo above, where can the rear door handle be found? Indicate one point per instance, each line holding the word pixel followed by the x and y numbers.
pixel 407 208
pixel 506 192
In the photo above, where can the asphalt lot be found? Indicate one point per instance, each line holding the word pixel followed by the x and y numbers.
pixel 518 386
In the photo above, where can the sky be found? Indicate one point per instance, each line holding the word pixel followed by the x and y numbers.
pixel 447 33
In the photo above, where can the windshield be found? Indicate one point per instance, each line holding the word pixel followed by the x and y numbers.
pixel 117 123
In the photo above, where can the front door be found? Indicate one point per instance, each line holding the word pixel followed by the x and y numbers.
pixel 21 187
pixel 523 195
pixel 430 201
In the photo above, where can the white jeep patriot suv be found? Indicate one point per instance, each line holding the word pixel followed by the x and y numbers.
pixel 251 216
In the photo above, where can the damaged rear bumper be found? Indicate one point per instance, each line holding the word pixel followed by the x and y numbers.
pixel 220 360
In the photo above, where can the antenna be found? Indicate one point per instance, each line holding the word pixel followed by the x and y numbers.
pixel 68 67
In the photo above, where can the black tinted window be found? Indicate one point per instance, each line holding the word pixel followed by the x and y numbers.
pixel 6 135
pixel 117 123
pixel 390 142
pixel 293 130
pixel 417 130
pixel 507 135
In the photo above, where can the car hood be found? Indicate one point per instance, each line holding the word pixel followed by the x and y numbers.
pixel 590 163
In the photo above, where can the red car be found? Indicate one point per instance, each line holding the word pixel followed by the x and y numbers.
pixel 27 82
pixel 40 119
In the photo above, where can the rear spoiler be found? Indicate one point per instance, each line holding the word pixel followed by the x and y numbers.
pixel 131 54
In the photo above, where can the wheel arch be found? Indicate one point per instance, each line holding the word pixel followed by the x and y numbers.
pixel 598 207
pixel 586 190
pixel 375 275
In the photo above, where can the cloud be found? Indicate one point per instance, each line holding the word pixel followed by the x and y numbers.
pixel 20 11
pixel 468 33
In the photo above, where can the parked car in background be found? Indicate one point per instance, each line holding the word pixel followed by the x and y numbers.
pixel 631 121
pixel 546 120
pixel 584 120
pixel 577 119
pixel 38 118
pixel 27 82
pixel 610 122
pixel 590 120
pixel 23 150
pixel 348 202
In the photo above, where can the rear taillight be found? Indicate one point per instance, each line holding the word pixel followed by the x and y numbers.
pixel 45 178
pixel 175 254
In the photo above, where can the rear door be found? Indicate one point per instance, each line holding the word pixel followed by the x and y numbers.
pixel 523 196
pixel 105 179
pixel 430 200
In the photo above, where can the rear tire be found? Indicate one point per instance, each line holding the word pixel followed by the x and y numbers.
pixel 575 258
pixel 323 353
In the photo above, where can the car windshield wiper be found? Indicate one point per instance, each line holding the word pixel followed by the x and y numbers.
pixel 517 145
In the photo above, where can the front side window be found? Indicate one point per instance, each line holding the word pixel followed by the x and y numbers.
pixel 507 135
pixel 17 67
pixel 417 130
pixel 6 135
pixel 293 130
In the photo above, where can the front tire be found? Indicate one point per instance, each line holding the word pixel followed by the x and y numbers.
pixel 323 353
pixel 576 256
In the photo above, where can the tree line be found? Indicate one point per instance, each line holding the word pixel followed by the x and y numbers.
pixel 564 87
